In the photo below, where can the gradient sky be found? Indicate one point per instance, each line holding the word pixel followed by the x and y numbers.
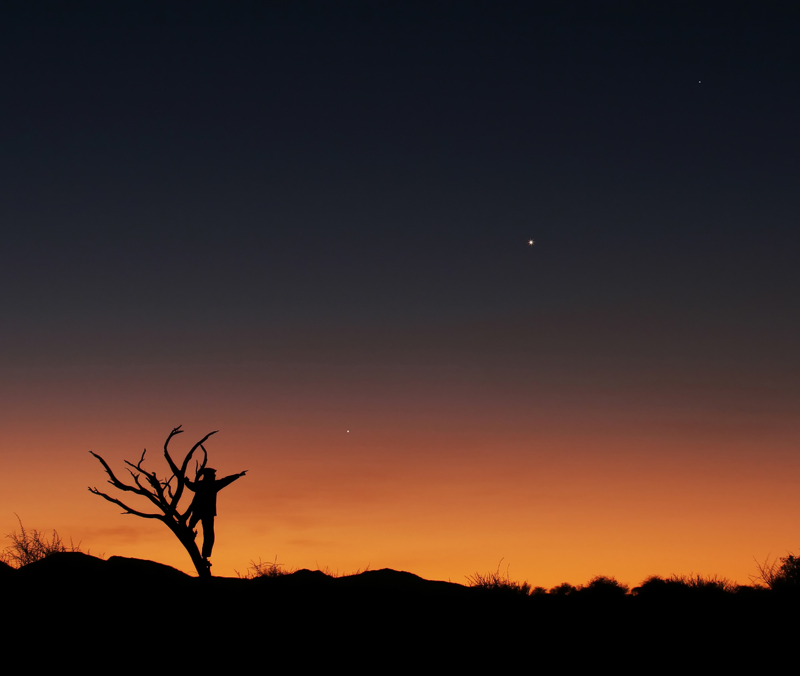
pixel 289 222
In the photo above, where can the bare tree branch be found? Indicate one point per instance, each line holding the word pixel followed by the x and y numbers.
pixel 116 482
pixel 188 457
pixel 128 510
pixel 180 474
pixel 172 465
pixel 168 488
pixel 202 464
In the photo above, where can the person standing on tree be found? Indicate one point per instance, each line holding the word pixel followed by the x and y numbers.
pixel 204 504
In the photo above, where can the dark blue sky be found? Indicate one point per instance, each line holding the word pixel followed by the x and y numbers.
pixel 207 181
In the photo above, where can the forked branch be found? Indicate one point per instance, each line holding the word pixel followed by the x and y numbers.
pixel 128 510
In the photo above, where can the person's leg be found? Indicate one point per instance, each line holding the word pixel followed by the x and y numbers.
pixel 208 537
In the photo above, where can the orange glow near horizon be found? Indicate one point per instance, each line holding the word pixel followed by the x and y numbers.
pixel 430 478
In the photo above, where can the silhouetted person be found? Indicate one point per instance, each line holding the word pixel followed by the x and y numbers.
pixel 204 504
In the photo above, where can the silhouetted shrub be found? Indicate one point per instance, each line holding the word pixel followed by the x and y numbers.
pixel 563 589
pixel 29 546
pixel 602 586
pixel 262 569
pixel 789 572
pixel 781 574
pixel 705 585
pixel 656 586
pixel 684 586
pixel 751 591
pixel 495 581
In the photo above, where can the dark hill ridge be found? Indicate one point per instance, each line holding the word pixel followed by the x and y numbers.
pixel 77 566
pixel 379 581
pixel 310 619
pixel 86 570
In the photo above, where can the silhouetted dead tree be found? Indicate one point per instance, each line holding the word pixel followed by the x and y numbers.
pixel 162 495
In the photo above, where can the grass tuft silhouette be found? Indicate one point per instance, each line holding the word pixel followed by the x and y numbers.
pixel 34 545
pixel 679 586
pixel 330 573
pixel 706 584
pixel 497 582
pixel 261 569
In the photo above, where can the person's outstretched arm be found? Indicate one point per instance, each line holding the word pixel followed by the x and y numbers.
pixel 221 483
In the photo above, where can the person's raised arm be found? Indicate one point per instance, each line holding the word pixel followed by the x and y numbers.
pixel 229 479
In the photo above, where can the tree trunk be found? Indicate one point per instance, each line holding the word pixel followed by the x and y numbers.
pixel 186 536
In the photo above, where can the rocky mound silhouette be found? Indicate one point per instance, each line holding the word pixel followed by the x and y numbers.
pixel 72 567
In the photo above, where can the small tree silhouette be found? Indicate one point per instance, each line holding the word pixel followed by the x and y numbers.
pixel 160 492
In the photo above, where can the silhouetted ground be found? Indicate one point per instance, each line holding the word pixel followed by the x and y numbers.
pixel 122 612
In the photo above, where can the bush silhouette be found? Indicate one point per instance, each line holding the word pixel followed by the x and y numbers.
pixel 657 587
pixel 788 573
pixel 563 589
pixel 603 587
pixel 497 582
pixel 261 569
pixel 29 546
pixel 782 575
pixel 680 586
pixel 706 585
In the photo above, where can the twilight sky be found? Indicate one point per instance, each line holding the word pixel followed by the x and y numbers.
pixel 290 222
